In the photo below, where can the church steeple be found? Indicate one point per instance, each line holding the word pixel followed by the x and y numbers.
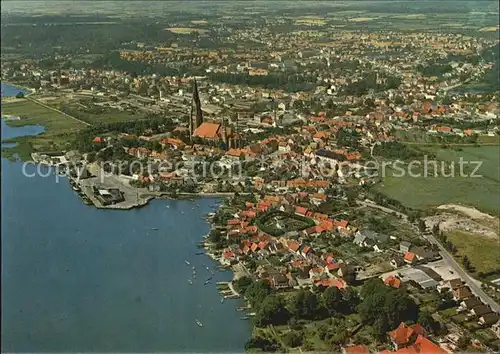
pixel 197 104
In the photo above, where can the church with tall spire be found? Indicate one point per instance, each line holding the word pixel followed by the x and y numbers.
pixel 196 115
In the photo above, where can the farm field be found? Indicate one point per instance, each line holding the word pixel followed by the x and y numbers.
pixel 482 251
pixel 425 192
pixel 98 115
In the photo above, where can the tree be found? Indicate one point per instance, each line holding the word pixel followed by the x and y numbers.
pixel 351 300
pixel 384 307
pixel 257 292
pixel 293 339
pixel 264 344
pixel 91 156
pixel 305 304
pixel 463 342
pixel 421 225
pixel 333 300
pixel 241 284
pixel 272 311
pixel 428 322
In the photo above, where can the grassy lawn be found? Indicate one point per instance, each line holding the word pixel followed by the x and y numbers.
pixel 423 192
pixel 59 128
pixel 448 312
pixel 482 252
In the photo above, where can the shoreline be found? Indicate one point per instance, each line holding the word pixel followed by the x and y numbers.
pixel 27 90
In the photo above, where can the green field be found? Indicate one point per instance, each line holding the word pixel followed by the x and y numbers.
pixel 482 251
pixel 99 115
pixel 425 192
pixel 59 128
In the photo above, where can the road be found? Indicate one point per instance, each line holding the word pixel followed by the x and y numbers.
pixel 472 283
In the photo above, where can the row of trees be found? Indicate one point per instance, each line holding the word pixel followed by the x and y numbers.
pixel 396 150
pixel 285 81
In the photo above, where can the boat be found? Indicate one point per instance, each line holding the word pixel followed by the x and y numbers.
pixel 190 281
pixel 194 268
pixel 74 185
pixel 182 212
pixel 168 206
pixel 198 323
pixel 154 228
pixel 221 300
pixel 206 282
pixel 199 253
pixel 209 278
pixel 207 268
pixel 244 318
pixel 187 263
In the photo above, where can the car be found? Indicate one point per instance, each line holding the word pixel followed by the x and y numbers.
pixel 451 271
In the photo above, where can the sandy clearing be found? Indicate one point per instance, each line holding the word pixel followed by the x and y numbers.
pixel 470 220
pixel 361 19
pixel 469 211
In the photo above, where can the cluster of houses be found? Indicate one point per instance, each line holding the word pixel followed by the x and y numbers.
pixel 405 340
pixel 468 304
pixel 301 263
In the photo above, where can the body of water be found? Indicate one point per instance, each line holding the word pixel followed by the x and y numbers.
pixel 11 91
pixel 79 279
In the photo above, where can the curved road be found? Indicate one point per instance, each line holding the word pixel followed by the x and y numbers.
pixel 473 284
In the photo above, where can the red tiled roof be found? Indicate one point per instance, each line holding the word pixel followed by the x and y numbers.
pixel 294 246
pixel 207 130
pixel 301 210
pixel 418 329
pixel 228 254
pixel 358 349
pixel 332 266
pixel 341 223
pixel 401 335
pixel 392 281
pixel 425 346
pixel 409 256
